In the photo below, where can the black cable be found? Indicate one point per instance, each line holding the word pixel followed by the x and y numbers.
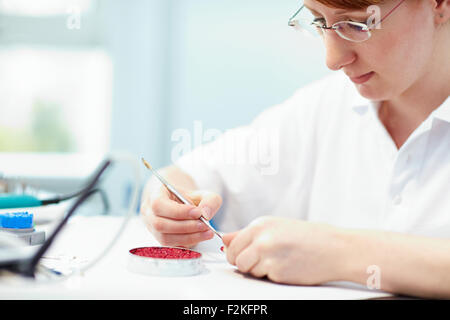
pixel 62 198
pixel 59 199
pixel 29 268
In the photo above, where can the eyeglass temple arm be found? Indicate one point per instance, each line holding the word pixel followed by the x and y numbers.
pixel 290 22
pixel 390 12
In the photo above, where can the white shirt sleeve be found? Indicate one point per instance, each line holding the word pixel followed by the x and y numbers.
pixel 253 167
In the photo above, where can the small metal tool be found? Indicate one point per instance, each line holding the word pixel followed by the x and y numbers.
pixel 178 195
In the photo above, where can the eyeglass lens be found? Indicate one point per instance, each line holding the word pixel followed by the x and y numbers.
pixel 348 30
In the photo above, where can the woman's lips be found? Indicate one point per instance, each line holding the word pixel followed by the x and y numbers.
pixel 362 79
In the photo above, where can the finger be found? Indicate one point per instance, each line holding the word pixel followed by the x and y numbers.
pixel 167 239
pixel 209 203
pixel 146 201
pixel 242 240
pixel 164 207
pixel 149 194
pixel 185 193
pixel 166 225
pixel 228 237
pixel 259 270
pixel 247 259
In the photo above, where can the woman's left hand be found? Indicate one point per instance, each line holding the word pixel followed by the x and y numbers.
pixel 288 251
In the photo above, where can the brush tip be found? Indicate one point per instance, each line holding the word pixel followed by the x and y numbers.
pixel 147 164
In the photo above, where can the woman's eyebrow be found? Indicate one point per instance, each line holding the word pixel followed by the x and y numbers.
pixel 337 12
pixel 312 10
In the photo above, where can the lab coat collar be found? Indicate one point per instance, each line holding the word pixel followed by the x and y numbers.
pixel 443 112
pixel 361 105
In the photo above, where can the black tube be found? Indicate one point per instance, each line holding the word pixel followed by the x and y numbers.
pixel 28 268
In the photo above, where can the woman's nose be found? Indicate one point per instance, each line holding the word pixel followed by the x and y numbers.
pixel 338 51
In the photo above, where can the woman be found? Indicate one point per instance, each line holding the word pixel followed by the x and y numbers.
pixel 361 184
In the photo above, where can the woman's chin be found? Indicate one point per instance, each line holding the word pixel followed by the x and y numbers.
pixel 371 92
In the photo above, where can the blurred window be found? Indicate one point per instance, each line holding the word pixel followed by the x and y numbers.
pixel 55 78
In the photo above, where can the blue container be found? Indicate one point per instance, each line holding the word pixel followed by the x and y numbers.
pixel 16 220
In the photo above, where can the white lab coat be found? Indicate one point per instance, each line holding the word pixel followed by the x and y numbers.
pixel 323 155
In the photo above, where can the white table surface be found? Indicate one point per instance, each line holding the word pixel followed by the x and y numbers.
pixel 111 279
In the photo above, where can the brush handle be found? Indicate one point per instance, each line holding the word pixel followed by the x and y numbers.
pixel 183 199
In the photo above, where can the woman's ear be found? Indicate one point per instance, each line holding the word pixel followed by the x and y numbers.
pixel 442 11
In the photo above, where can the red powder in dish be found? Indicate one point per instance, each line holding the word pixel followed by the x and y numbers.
pixel 165 253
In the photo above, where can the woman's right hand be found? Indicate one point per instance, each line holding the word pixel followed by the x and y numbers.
pixel 174 223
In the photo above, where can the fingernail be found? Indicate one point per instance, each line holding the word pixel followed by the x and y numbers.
pixel 206 213
pixel 195 213
pixel 208 234
pixel 201 226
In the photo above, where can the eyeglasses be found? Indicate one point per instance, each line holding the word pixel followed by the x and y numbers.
pixel 304 20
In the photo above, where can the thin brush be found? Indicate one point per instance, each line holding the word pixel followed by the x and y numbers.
pixel 178 195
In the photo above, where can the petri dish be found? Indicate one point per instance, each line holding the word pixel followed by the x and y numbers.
pixel 165 261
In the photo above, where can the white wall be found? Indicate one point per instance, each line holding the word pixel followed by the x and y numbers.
pixel 231 59
pixel 177 61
